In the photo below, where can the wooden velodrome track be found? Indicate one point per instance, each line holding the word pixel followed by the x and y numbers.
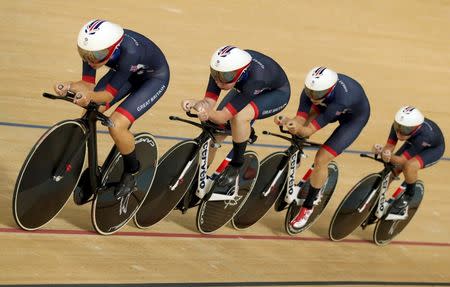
pixel 398 50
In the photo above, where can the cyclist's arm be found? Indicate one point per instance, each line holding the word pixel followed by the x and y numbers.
pixel 316 121
pixel 100 96
pixel 81 86
pixel 391 142
pixel 399 160
pixel 303 111
pixel 306 130
pixel 208 102
pixel 220 117
pixel 313 113
pixel 87 82
pixel 306 111
pixel 211 95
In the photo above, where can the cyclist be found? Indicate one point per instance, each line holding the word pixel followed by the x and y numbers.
pixel 257 88
pixel 327 97
pixel 138 73
pixel 424 146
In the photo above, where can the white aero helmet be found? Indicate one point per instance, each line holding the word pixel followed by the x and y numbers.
pixel 228 63
pixel 98 39
pixel 319 82
pixel 407 120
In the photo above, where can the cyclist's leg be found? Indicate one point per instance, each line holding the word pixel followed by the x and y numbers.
pixel 213 150
pixel 404 156
pixel 410 169
pixel 220 138
pixel 422 159
pixel 134 106
pixel 342 137
pixel 264 105
pixel 231 171
pixel 123 92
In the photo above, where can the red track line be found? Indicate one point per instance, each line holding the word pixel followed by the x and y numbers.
pixel 214 236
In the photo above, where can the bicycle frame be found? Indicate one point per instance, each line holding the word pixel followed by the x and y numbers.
pixel 380 190
pixel 88 121
pixel 293 152
pixel 205 140
pixel 203 182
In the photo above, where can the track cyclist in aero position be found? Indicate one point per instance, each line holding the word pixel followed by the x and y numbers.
pixel 258 88
pixel 424 146
pixel 138 71
pixel 326 98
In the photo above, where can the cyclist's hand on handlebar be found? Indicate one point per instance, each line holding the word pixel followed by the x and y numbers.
pixel 292 126
pixel 62 88
pixel 377 148
pixel 202 114
pixel 82 99
pixel 386 155
pixel 187 105
pixel 201 104
pixel 280 120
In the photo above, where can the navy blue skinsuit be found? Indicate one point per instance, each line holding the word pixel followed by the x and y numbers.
pixel 138 68
pixel 347 104
pixel 426 144
pixel 264 86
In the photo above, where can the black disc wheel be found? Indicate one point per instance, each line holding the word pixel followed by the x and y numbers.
pixel 386 230
pixel 161 199
pixel 212 215
pixel 49 175
pixel 108 213
pixel 269 184
pixel 325 196
pixel 347 217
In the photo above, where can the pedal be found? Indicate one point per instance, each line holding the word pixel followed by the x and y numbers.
pixel 403 216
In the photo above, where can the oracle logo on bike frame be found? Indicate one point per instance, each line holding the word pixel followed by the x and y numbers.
pixel 384 186
pixel 203 165
pixel 291 179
